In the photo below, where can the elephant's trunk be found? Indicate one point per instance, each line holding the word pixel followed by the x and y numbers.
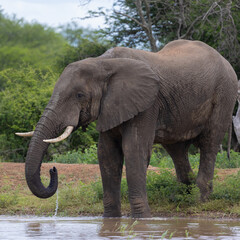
pixel 36 152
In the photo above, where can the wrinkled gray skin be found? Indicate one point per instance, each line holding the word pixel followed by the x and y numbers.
pixel 182 95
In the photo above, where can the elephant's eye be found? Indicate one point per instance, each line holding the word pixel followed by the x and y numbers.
pixel 80 95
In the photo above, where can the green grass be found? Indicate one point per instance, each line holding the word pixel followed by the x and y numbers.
pixel 166 197
pixel 228 190
pixel 159 158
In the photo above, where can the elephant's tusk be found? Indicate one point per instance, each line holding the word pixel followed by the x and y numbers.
pixel 26 134
pixel 66 133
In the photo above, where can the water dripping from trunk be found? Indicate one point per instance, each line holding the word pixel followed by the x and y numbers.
pixel 56 209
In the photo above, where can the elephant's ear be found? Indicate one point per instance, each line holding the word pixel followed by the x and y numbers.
pixel 131 89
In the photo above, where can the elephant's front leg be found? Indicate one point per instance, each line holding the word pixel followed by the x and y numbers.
pixel 110 158
pixel 137 146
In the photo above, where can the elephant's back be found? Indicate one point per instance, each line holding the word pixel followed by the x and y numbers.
pixel 188 53
pixel 187 48
pixel 193 61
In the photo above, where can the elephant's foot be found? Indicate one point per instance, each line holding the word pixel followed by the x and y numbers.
pixel 112 215
pixel 112 211
pixel 140 209
pixel 187 178
pixel 206 189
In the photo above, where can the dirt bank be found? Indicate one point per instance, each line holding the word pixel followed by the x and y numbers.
pixel 78 199
pixel 14 174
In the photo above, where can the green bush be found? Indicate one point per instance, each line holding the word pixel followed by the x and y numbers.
pixel 162 187
pixel 32 56
pixel 88 155
pixel 83 43
pixel 223 162
pixel 161 160
pixel 25 95
pixel 165 187
pixel 124 190
pixel 229 189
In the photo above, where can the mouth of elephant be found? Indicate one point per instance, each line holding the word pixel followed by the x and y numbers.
pixel 84 121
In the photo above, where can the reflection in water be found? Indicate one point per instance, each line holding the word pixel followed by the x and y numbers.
pixel 125 227
pixel 38 228
pixel 33 229
pixel 115 228
pixel 180 228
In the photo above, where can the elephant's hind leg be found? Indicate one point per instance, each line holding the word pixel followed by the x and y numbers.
pixel 179 155
pixel 206 170
pixel 209 142
pixel 211 138
pixel 110 158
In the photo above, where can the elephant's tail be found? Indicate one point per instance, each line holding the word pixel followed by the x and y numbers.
pixel 229 140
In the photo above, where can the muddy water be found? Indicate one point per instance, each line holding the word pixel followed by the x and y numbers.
pixel 95 228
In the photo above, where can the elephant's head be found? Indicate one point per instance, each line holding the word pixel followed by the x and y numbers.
pixel 109 90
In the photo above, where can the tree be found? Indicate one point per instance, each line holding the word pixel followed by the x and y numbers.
pixel 32 57
pixel 27 43
pixel 82 43
pixel 153 23
pixel 27 91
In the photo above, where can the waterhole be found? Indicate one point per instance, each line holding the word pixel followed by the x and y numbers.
pixel 29 227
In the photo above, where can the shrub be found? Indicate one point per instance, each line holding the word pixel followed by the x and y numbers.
pixel 223 162
pixel 165 187
pixel 229 189
pixel 160 159
pixel 162 187
pixel 27 91
pixel 89 155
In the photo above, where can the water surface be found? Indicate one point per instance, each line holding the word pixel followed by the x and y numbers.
pixel 96 228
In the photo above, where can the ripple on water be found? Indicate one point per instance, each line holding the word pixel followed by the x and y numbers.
pixel 32 227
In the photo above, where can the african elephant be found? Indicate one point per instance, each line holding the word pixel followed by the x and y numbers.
pixel 181 95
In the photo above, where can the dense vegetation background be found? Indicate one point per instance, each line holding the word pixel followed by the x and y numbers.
pixel 32 56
